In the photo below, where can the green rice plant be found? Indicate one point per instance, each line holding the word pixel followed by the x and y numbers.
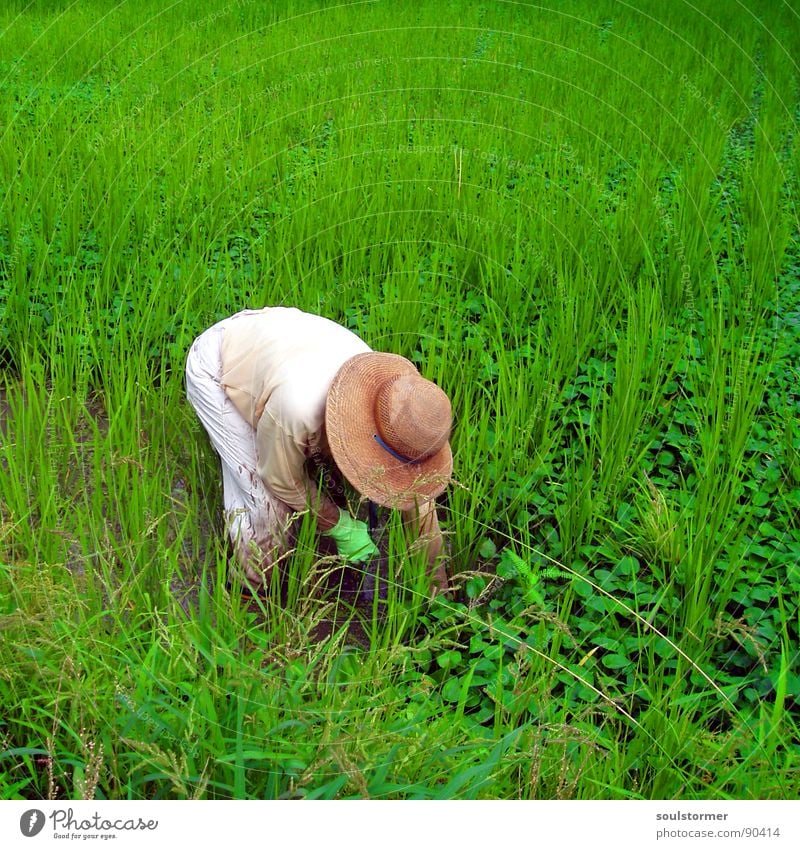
pixel 581 224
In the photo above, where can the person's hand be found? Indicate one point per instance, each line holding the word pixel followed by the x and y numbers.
pixel 352 539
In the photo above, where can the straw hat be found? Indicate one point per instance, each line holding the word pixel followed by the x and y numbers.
pixel 388 429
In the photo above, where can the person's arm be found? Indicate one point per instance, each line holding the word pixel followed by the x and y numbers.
pixel 423 522
pixel 281 438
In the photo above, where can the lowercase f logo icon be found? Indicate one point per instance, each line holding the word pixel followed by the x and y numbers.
pixel 31 822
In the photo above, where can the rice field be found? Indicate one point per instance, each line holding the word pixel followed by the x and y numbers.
pixel 580 219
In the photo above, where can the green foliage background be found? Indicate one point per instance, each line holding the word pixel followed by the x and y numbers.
pixel 580 219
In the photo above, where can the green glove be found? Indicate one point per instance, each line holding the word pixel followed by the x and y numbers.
pixel 352 539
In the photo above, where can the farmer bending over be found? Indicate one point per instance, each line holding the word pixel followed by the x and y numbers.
pixel 277 387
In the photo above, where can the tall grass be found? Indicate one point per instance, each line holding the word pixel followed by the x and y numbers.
pixel 580 221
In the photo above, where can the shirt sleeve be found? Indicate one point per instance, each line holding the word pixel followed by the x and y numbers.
pixel 282 439
pixel 424 522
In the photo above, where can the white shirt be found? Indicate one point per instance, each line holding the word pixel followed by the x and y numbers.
pixel 277 367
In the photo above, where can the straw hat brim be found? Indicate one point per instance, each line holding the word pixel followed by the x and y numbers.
pixel 350 429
